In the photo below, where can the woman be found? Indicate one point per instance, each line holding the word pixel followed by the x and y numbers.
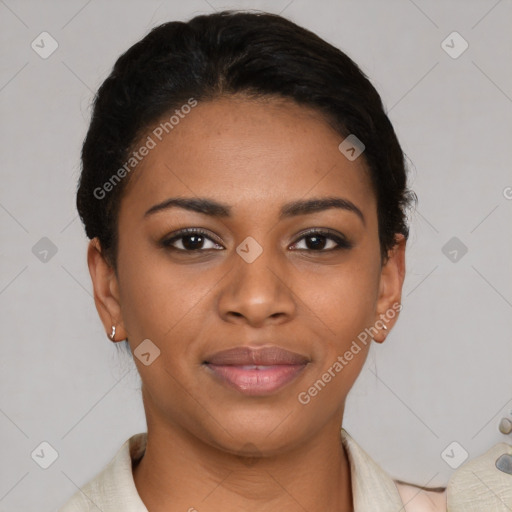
pixel 246 198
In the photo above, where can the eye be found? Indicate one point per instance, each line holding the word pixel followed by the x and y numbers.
pixel 196 240
pixel 317 240
pixel 190 240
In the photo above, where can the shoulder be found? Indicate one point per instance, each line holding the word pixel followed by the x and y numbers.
pixel 418 499
pixel 113 489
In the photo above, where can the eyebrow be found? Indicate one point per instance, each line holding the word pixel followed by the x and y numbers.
pixel 294 208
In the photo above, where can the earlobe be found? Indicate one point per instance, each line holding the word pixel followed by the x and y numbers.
pixel 106 291
pixel 390 289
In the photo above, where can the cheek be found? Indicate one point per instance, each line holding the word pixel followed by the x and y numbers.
pixel 344 297
pixel 158 298
pixel 145 288
pixel 343 305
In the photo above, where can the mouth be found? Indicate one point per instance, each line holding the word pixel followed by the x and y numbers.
pixel 256 372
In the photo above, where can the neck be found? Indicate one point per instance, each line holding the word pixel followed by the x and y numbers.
pixel 181 472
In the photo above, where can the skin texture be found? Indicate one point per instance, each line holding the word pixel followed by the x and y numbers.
pixel 210 446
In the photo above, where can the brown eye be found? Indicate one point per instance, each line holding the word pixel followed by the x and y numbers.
pixel 323 241
pixel 191 240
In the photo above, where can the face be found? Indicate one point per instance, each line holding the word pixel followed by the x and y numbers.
pixel 262 266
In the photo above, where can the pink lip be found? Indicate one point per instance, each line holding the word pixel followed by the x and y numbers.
pixel 257 381
pixel 256 371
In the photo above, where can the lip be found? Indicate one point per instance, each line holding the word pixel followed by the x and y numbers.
pixel 266 356
pixel 256 372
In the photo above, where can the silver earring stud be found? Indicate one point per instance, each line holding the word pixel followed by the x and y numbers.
pixel 113 333
pixel 385 327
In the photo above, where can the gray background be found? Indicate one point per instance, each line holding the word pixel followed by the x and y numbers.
pixel 444 373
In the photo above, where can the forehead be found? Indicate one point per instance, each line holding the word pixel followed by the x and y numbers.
pixel 256 154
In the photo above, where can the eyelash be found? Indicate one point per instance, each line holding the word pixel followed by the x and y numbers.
pixel 341 242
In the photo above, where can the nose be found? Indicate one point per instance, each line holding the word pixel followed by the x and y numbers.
pixel 258 292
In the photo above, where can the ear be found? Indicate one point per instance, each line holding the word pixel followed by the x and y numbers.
pixel 106 290
pixel 390 289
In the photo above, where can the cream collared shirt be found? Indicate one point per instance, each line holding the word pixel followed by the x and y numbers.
pixel 477 486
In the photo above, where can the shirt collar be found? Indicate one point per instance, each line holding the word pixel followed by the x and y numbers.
pixel 114 489
pixel 373 490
